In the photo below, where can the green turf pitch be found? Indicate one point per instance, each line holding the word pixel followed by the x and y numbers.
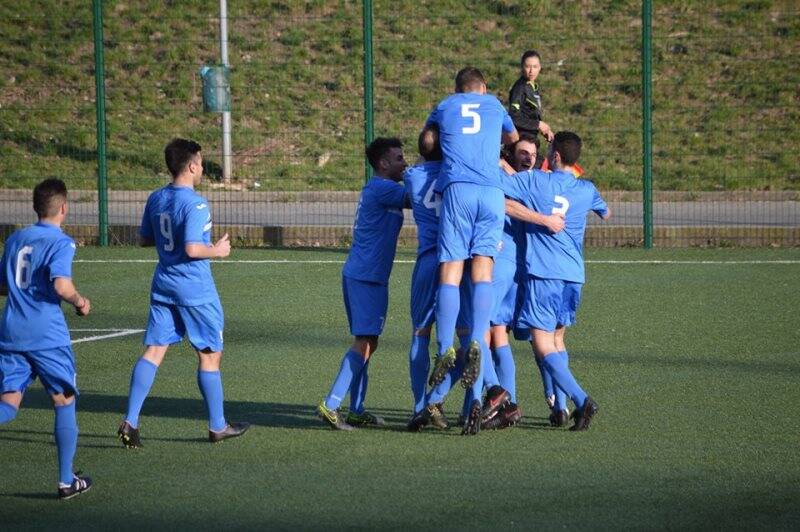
pixel 695 366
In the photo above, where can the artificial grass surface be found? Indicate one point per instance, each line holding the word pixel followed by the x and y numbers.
pixel 695 368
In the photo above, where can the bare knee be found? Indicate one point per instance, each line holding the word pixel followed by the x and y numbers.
pixel 62 399
pixel 365 345
pixel 155 354
pixel 209 360
pixel 12 398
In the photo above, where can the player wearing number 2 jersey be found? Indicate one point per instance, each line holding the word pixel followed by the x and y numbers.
pixel 36 274
pixel 471 125
pixel 183 298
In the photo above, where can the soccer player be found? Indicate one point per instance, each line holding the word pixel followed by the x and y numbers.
pixel 183 297
pixel 525 100
pixel 555 265
pixel 365 278
pixel 471 126
pixel 36 275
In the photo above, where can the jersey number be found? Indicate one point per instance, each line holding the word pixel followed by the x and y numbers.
pixel 563 205
pixel 468 111
pixel 165 225
pixel 24 271
pixel 432 200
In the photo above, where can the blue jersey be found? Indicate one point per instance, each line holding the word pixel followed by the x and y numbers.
pixel 379 217
pixel 513 236
pixel 470 127
pixel 560 255
pixel 32 259
pixel 420 181
pixel 173 217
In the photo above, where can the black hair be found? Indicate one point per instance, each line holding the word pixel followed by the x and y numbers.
pixel 48 196
pixel 568 145
pixel 527 54
pixel 379 147
pixel 178 153
pixel 469 78
pixel 428 144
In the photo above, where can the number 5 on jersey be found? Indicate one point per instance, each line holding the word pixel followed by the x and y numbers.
pixel 468 110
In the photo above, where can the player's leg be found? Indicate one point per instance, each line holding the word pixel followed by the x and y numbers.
pixel 418 366
pixel 560 414
pixel 424 282
pixel 16 374
pixel 204 325
pixel 9 406
pixel 358 415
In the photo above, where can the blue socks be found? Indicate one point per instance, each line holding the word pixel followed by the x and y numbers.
pixel 210 383
pixel 547 379
pixel 448 300
pixel 358 390
pixel 352 363
pixel 482 303
pixel 142 377
pixel 506 370
pixel 65 432
pixel 7 413
pixel 418 366
pixel 558 366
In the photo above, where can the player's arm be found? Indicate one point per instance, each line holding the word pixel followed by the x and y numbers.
pixel 553 222
pixel 599 206
pixel 66 290
pixel 509 137
pixel 221 249
pixel 606 215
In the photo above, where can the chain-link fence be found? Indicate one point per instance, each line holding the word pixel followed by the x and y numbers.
pixel 726 89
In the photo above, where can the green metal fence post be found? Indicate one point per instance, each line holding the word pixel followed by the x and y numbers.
pixel 100 107
pixel 368 116
pixel 647 123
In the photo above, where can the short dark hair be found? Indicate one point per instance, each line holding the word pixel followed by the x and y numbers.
pixel 178 153
pixel 428 143
pixel 527 54
pixel 568 145
pixel 48 196
pixel 379 147
pixel 469 78
pixel 527 137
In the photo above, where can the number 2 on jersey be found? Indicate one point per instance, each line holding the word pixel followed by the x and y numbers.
pixel 563 205
pixel 165 225
pixel 24 272
pixel 468 111
pixel 431 200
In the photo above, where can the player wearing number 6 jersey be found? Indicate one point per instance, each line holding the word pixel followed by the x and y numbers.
pixel 554 264
pixel 471 126
pixel 36 274
pixel 183 297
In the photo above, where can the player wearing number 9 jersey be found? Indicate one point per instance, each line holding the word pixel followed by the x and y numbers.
pixel 183 297
pixel 554 264
pixel 36 274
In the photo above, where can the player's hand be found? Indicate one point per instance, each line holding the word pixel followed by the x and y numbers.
pixel 83 307
pixel 554 222
pixel 223 246
pixel 545 130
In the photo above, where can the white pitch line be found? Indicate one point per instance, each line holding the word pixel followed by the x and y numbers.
pixel 286 261
pixel 126 332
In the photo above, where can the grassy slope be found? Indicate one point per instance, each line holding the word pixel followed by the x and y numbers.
pixel 695 368
pixel 725 98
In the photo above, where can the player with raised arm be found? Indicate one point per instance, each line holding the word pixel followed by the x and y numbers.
pixel 365 281
pixel 183 297
pixel 554 263
pixel 471 126
pixel 36 275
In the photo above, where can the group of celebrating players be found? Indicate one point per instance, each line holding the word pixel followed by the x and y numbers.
pixel 500 247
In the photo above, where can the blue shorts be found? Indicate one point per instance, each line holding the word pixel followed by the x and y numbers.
pixel 550 303
pixel 201 324
pixel 54 367
pixel 471 222
pixel 504 285
pixel 424 283
pixel 366 304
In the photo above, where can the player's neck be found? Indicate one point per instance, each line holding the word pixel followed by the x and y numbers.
pixel 184 181
pixel 53 220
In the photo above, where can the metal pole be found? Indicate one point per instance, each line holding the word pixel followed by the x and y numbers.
pixel 647 123
pixel 227 160
pixel 100 111
pixel 368 115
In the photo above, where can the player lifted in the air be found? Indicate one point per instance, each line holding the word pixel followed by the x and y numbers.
pixel 183 297
pixel 471 124
pixel 36 274
pixel 365 281
pixel 554 264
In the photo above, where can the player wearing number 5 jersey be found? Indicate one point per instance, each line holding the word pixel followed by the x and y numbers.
pixel 36 274
pixel 183 297
pixel 471 126
pixel 554 263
